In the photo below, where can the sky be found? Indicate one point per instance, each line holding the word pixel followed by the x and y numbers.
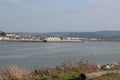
pixel 59 15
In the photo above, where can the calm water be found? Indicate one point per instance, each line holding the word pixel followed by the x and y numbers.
pixel 33 55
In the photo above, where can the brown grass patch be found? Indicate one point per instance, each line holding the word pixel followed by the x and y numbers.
pixel 65 69
pixel 13 73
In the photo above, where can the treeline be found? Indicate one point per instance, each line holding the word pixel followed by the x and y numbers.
pixel 2 33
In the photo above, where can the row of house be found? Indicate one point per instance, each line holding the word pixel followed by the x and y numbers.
pixel 19 37
pixel 28 37
pixel 62 39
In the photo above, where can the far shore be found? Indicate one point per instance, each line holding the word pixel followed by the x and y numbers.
pixel 60 41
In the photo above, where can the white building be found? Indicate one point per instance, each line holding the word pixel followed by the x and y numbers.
pixel 10 35
pixel 72 38
pixel 6 38
pixel 75 38
pixel 94 39
pixel 52 39
pixel 1 38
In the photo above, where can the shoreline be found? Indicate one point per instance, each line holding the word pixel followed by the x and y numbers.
pixel 41 41
pixel 55 41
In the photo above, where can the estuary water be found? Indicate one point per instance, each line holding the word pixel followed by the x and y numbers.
pixel 31 55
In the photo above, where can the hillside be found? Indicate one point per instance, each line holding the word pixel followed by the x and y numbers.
pixel 97 34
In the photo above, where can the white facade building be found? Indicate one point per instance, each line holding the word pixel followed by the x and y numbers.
pixel 1 38
pixel 10 35
pixel 52 39
pixel 72 38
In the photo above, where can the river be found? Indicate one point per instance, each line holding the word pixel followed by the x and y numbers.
pixel 31 55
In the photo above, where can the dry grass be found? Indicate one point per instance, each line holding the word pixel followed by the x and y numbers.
pixel 64 72
pixel 13 73
pixel 65 69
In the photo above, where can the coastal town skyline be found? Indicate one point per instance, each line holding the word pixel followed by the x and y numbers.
pixel 59 16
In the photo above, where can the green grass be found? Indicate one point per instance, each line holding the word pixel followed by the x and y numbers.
pixel 63 76
pixel 75 76
pixel 109 77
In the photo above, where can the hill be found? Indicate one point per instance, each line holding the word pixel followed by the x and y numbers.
pixel 97 34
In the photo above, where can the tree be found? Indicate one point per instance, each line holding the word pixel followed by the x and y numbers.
pixel 2 34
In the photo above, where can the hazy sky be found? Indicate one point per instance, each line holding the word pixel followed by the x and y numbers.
pixel 59 15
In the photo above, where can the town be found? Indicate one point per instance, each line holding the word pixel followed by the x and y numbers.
pixel 37 38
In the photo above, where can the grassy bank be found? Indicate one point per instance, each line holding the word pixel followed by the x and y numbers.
pixel 75 76
pixel 64 72
pixel 109 77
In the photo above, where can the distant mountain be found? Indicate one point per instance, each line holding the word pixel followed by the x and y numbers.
pixel 97 34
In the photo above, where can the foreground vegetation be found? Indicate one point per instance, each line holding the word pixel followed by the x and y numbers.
pixel 64 72
pixel 109 77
